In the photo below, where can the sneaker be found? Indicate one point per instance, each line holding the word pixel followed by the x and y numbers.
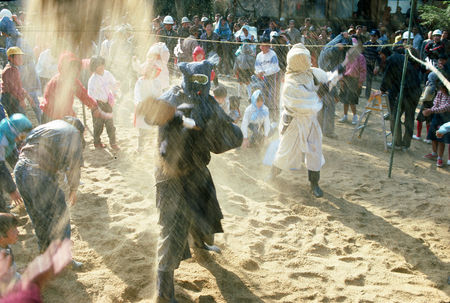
pixel 355 119
pixel 427 141
pixel 343 119
pixel 430 156
pixel 448 162
pixel 439 163
pixel 416 138
pixel 99 145
pixel 389 145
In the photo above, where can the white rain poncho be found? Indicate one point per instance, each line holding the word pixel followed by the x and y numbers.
pixel 302 138
pixel 158 54
pixel 147 88
pixel 161 49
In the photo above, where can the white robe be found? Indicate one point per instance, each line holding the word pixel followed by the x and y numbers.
pixel 302 140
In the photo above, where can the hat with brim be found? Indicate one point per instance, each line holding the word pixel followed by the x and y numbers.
pixel 14 51
pixel 374 33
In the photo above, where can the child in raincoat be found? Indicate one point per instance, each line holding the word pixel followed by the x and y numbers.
pixel 244 67
pixel 256 119
pixel 149 85
pixel 12 129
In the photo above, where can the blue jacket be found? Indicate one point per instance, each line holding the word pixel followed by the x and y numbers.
pixel 8 27
pixel 331 56
pixel 10 128
pixel 223 31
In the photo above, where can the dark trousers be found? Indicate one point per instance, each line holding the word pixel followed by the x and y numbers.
pixel 271 91
pixel 3 204
pixel 45 203
pixel 11 104
pixel 408 108
pixel 35 106
pixel 326 114
pixel 369 79
pixel 225 56
pixel 99 123
pixel 11 160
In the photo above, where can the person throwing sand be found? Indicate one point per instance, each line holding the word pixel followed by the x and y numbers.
pixel 185 192
pixel 300 133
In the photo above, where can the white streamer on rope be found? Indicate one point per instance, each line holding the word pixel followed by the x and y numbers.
pixel 429 65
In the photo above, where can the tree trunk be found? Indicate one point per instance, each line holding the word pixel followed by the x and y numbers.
pixel 179 7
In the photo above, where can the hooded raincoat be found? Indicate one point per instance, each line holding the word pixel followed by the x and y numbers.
pixel 61 89
pixel 10 129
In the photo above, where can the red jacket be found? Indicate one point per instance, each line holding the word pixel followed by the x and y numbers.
pixel 11 82
pixel 30 295
pixel 59 94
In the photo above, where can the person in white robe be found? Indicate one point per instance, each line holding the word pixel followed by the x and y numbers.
pixel 300 133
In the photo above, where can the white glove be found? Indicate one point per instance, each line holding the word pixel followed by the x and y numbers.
pixel 188 123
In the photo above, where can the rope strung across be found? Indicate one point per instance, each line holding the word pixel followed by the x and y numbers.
pixel 207 41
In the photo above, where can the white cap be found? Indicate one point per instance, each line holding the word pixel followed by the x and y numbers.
pixel 185 20
pixel 274 34
pixel 405 35
pixel 168 20
pixel 204 19
pixel 5 13
pixel 437 32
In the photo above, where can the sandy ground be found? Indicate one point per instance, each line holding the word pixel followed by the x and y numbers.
pixel 369 239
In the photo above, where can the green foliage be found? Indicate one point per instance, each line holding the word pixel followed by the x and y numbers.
pixel 191 7
pixel 435 15
pixel 13 6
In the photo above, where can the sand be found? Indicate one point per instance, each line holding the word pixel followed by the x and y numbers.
pixel 369 239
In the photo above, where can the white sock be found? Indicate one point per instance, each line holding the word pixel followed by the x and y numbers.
pixel 434 153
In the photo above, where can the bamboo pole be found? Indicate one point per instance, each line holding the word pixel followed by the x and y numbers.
pixel 400 98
